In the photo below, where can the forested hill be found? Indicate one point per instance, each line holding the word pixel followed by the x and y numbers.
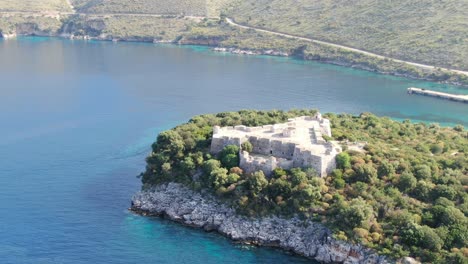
pixel 403 194
pixel 432 31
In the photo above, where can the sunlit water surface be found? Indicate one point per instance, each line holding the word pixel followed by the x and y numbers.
pixel 77 119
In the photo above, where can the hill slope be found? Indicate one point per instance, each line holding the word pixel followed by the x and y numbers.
pixel 187 7
pixel 433 32
pixel 34 5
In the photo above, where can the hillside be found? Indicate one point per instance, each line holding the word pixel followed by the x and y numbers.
pixel 430 32
pixel 34 5
pixel 209 8
pixel 433 32
pixel 187 7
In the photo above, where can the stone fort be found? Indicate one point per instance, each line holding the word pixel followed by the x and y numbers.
pixel 297 143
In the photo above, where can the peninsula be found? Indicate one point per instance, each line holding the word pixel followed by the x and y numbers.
pixel 335 188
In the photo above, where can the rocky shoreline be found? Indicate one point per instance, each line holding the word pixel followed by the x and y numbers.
pixel 312 240
pixel 29 29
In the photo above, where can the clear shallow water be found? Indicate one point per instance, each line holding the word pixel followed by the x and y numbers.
pixel 77 119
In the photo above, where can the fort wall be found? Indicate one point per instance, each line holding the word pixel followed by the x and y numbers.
pixel 297 143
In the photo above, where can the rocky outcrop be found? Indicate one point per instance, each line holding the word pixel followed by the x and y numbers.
pixel 268 52
pixel 305 238
pixel 31 29
pixel 201 40
pixel 26 29
pixel 7 35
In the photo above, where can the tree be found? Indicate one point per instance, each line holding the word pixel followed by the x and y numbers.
pixel 443 190
pixel 170 142
pixel 247 146
pixel 437 148
pixel 233 178
pixel 280 187
pixel 365 173
pixel 211 165
pixel 422 190
pixel 297 176
pixel 447 215
pixel 219 177
pixel 430 239
pixel 230 161
pixel 385 169
pixel 424 236
pixel 306 197
pixel 229 156
pixel 278 172
pixel 229 149
pixel 407 182
pixel 187 165
pixel 422 172
pixel 257 182
pixel 357 214
pixel 343 161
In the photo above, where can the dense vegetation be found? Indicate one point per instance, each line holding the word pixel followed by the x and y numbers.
pixel 403 194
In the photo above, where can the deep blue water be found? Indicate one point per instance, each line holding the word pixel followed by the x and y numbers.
pixel 77 119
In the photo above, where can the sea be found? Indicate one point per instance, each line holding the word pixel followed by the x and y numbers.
pixel 77 119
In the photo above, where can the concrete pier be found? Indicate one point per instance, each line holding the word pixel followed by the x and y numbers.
pixel 452 97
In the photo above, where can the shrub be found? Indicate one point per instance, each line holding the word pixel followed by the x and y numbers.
pixel 247 146
pixel 343 161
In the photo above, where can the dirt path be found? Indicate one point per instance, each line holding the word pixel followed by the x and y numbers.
pixel 232 23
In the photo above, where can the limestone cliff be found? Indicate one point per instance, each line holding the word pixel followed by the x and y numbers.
pixel 305 238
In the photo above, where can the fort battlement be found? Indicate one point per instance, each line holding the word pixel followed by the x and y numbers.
pixel 296 143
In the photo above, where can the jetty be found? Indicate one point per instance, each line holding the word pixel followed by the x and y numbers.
pixel 448 96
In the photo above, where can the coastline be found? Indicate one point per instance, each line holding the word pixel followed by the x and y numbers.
pixel 309 239
pixel 215 46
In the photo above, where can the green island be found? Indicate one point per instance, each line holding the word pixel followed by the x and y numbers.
pixel 398 187
pixel 423 40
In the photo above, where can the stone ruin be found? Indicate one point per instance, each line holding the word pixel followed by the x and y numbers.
pixel 297 143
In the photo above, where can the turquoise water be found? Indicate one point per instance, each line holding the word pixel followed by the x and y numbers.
pixel 77 119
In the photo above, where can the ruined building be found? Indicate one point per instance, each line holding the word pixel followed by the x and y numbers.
pixel 297 143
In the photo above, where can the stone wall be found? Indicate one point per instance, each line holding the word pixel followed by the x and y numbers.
pixel 297 143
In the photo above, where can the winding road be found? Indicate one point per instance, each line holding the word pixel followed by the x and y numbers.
pixel 231 22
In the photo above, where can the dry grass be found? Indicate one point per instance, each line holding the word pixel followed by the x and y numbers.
pixel 431 31
pixel 187 7
pixel 34 5
pixel 164 29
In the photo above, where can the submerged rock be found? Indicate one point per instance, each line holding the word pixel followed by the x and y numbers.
pixel 306 238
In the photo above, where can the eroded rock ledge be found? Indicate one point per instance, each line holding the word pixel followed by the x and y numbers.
pixel 308 239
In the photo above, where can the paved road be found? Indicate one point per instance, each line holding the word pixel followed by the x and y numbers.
pixel 232 23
